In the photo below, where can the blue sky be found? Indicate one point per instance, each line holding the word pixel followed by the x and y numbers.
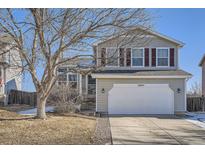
pixel 186 25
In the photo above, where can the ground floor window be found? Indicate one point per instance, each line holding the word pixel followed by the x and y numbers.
pixel 67 78
pixel 62 76
pixel 72 80
pixel 91 85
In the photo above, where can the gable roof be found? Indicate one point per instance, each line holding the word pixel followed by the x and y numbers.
pixel 177 42
pixel 145 72
pixel 202 60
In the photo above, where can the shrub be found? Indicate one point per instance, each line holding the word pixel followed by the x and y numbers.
pixel 65 99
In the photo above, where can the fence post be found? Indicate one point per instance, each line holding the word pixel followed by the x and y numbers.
pixel 203 103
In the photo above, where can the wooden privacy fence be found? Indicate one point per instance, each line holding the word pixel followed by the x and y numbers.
pixel 195 104
pixel 22 97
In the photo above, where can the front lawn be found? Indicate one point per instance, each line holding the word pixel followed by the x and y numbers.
pixel 57 129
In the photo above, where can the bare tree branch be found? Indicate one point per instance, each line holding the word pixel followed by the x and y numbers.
pixel 42 36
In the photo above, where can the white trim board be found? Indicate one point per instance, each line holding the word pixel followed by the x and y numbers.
pixel 107 76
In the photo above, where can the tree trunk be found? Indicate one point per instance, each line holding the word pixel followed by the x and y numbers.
pixel 41 107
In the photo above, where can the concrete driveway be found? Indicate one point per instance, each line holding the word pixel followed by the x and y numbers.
pixel 155 130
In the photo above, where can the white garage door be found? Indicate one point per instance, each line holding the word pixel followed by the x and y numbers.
pixel 141 99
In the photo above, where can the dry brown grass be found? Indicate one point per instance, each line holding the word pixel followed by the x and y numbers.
pixel 55 130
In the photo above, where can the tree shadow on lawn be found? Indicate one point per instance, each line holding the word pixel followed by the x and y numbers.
pixel 16 107
pixel 20 118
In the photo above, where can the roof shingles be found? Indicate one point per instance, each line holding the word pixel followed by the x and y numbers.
pixel 145 72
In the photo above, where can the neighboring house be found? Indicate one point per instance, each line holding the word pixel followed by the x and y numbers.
pixel 82 82
pixel 140 78
pixel 202 65
pixel 10 74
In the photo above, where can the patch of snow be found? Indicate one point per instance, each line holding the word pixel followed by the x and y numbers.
pixel 34 110
pixel 196 118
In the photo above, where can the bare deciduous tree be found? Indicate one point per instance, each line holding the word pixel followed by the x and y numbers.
pixel 41 36
pixel 195 89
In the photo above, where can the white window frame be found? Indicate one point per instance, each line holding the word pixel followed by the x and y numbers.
pixel 106 55
pixel 58 73
pixel 135 57
pixel 71 73
pixel 162 57
pixel 67 78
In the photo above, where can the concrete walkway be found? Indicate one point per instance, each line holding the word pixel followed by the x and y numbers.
pixel 155 130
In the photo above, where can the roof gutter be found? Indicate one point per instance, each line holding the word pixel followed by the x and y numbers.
pixel 108 76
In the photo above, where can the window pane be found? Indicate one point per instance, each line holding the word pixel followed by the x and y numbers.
pixel 137 53
pixel 137 61
pixel 73 85
pixel 72 77
pixel 91 80
pixel 62 70
pixel 162 61
pixel 112 57
pixel 162 53
pixel 62 77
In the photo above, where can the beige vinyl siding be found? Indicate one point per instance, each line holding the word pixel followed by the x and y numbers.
pixel 153 42
pixel 107 84
pixel 13 71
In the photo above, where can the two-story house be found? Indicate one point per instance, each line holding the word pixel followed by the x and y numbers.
pixel 10 74
pixel 136 78
pixel 202 65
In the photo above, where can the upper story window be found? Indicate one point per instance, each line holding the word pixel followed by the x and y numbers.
pixel 162 57
pixel 138 57
pixel 112 57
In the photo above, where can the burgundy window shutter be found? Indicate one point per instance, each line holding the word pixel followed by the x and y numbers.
pixel 153 56
pixel 103 51
pixel 146 56
pixel 128 56
pixel 122 58
pixel 171 56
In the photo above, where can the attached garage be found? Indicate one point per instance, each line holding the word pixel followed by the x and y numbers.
pixel 141 92
pixel 141 99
